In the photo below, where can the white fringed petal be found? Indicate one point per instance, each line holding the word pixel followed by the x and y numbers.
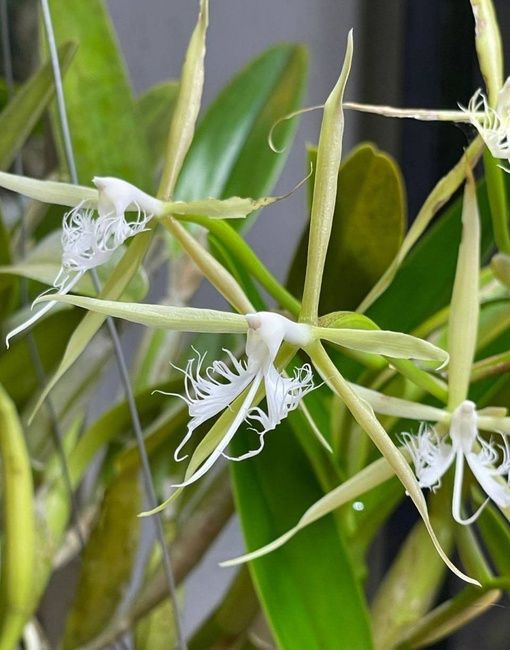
pixel 89 241
pixel 493 478
pixel 431 456
pixel 209 392
pixel 488 461
pixel 494 124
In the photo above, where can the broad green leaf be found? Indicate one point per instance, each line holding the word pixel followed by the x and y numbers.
pixel 372 476
pixel 440 194
pixel 367 230
pixel 431 267
pixel 107 562
pixel 107 138
pixel 187 319
pixel 19 117
pixel 311 575
pixel 18 541
pixel 154 111
pixel 230 154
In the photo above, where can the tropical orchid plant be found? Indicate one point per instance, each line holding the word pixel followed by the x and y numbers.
pixel 269 412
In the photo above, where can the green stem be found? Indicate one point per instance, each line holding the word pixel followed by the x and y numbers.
pixel 236 245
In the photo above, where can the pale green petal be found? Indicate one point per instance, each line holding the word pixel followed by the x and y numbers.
pixel 329 154
pixel 488 47
pixel 187 105
pixel 401 408
pixel 368 478
pixel 185 319
pixel 385 343
pixel 49 191
pixel 496 424
pixel 234 207
pixel 464 310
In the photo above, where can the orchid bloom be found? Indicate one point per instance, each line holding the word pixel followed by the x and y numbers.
pixel 89 241
pixel 493 124
pixel 432 456
pixel 213 390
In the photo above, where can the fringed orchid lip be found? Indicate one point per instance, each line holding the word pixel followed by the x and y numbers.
pixel 209 392
pixel 433 455
pixel 493 124
pixel 89 241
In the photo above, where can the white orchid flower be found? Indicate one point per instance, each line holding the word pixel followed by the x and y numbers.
pixel 493 124
pixel 433 455
pixel 213 390
pixel 89 241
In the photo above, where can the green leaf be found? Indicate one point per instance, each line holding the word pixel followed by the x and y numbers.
pixel 431 267
pixel 371 476
pixel 368 228
pixel 18 541
pixel 106 135
pixel 107 562
pixel 154 111
pixel 19 117
pixel 230 155
pixel 311 575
